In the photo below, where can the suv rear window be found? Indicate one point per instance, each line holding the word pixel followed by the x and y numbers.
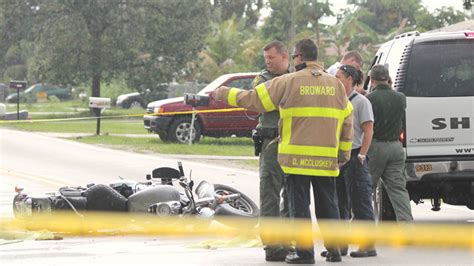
pixel 441 69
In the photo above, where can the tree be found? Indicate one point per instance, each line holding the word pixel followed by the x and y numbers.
pixel 350 33
pixel 441 17
pixel 238 9
pixel 385 15
pixel 445 16
pixel 16 27
pixel 289 18
pixel 231 47
pixel 150 41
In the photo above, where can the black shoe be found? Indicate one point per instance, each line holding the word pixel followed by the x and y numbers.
pixel 276 254
pixel 363 253
pixel 343 252
pixel 293 258
pixel 333 256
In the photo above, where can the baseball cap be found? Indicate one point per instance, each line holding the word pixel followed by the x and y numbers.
pixel 379 73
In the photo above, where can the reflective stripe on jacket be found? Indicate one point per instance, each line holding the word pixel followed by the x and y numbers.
pixel 315 118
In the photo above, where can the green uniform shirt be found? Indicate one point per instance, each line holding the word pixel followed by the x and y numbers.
pixel 269 119
pixel 389 111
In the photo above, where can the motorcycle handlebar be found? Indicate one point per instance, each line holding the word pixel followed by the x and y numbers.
pixel 225 198
pixel 218 199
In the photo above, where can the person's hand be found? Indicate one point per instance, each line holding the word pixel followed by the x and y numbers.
pixel 212 95
pixel 362 158
pixel 222 88
pixel 340 164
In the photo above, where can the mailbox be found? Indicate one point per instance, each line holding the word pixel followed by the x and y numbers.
pixel 98 102
pixel 20 85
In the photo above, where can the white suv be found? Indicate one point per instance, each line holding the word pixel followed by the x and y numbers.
pixel 436 73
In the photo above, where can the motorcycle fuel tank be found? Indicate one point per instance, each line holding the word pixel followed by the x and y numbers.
pixel 142 200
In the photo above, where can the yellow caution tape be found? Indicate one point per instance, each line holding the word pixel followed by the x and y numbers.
pixel 200 111
pixel 122 116
pixel 273 231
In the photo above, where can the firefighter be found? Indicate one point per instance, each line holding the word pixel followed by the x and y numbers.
pixel 315 136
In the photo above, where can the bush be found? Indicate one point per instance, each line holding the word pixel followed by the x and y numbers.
pixel 114 88
pixel 53 99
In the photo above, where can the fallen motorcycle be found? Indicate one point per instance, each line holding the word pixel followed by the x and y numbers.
pixel 161 198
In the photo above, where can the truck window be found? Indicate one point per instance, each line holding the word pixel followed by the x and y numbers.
pixel 441 69
pixel 243 83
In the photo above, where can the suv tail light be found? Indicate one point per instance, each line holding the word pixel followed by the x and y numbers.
pixel 402 138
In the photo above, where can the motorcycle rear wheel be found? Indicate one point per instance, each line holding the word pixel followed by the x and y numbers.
pixel 243 206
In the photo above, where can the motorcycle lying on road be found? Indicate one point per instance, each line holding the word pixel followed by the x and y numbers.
pixel 161 198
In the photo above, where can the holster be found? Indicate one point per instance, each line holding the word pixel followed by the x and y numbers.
pixel 268 133
pixel 257 141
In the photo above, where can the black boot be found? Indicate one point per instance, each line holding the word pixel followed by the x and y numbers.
pixel 276 254
pixel 343 251
pixel 293 258
pixel 364 252
pixel 333 255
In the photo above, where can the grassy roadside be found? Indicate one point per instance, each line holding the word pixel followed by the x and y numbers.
pixel 69 109
pixel 145 144
pixel 110 126
pixel 207 146
pixel 65 106
pixel 128 125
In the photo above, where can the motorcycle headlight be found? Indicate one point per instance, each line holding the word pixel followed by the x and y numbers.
pixel 164 209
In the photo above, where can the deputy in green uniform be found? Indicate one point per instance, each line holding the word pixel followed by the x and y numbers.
pixel 387 157
pixel 273 200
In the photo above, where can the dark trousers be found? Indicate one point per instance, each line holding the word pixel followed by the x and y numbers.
pixel 325 203
pixel 273 195
pixel 354 190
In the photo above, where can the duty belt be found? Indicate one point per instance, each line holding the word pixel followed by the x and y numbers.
pixel 268 133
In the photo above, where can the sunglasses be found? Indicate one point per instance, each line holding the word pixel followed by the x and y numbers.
pixel 293 56
pixel 349 71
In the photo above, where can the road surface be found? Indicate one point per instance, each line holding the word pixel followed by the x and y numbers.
pixel 41 164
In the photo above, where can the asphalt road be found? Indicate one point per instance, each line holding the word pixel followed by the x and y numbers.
pixel 42 164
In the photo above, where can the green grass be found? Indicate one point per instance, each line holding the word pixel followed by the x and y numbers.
pixel 65 106
pixel 207 146
pixel 69 109
pixel 127 125
pixel 111 126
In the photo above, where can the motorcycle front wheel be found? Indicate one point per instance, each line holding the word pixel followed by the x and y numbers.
pixel 242 206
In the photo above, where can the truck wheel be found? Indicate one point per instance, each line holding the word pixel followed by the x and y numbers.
pixel 180 128
pixel 382 206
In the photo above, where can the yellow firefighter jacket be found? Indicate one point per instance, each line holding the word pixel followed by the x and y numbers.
pixel 315 124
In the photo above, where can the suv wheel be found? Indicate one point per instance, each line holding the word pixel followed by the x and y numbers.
pixel 383 209
pixel 180 128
